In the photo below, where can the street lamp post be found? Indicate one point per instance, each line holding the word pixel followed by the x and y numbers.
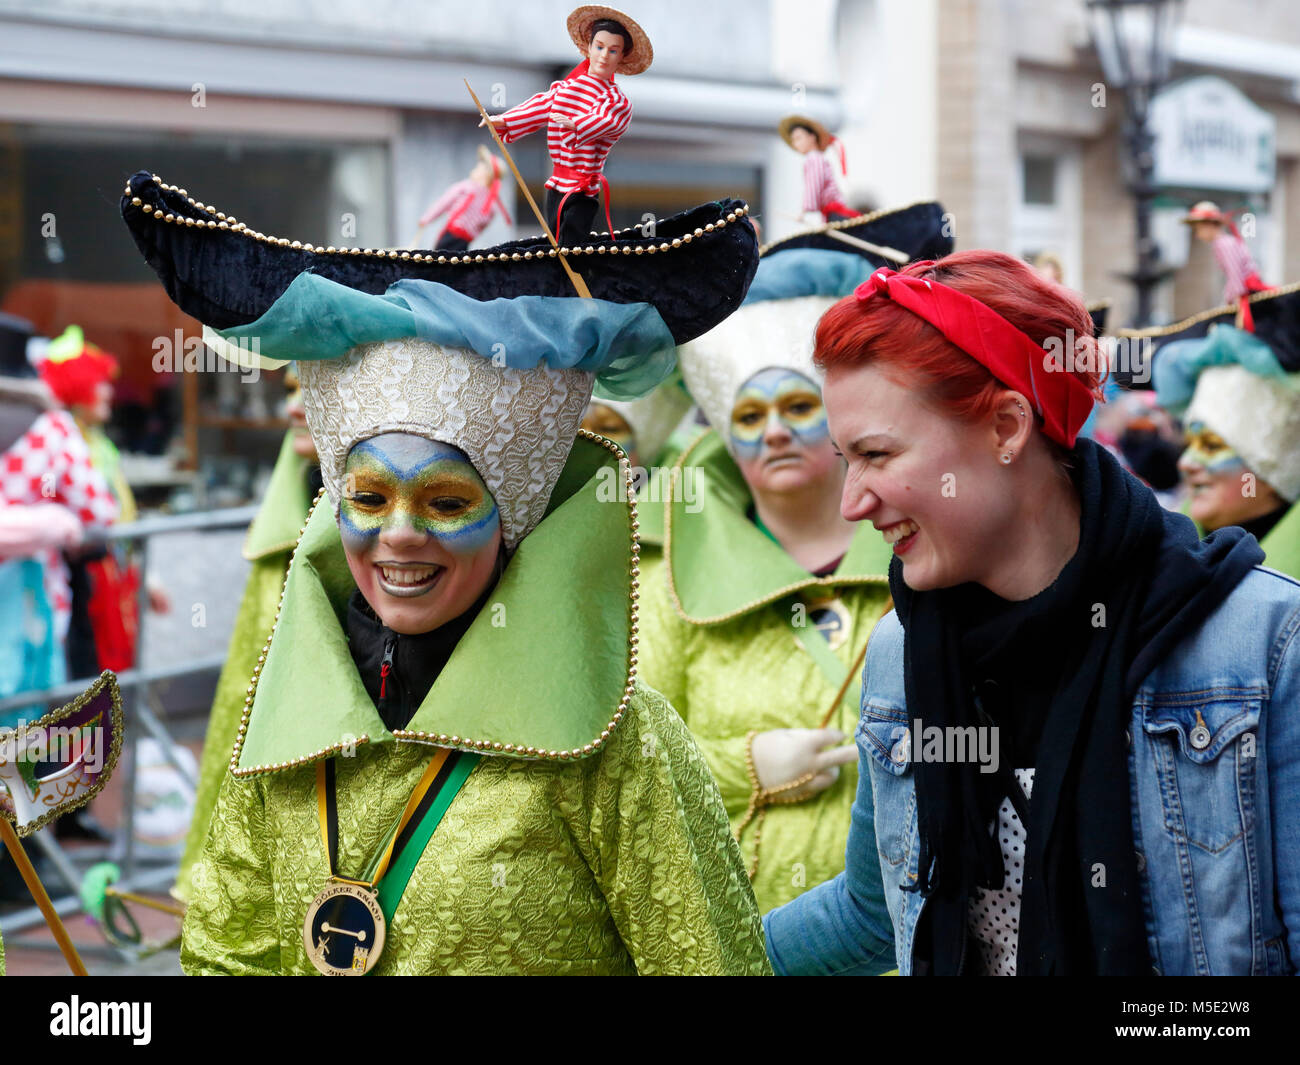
pixel 1134 41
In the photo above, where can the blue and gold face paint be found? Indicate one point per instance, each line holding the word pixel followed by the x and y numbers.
pixel 1208 450
pixel 784 395
pixel 607 422
pixel 398 479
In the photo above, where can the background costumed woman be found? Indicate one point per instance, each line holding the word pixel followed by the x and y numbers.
pixel 446 743
pixel 1128 816
pixel 1241 412
pixel 270 541
pixel 762 597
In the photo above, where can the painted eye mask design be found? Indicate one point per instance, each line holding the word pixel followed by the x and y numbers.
pixel 398 479
pixel 608 423
pixel 783 394
pixel 1208 449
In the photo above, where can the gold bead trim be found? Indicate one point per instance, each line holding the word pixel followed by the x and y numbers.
pixel 790 589
pixel 466 742
pixel 845 223
pixel 1213 312
pixel 629 688
pixel 220 220
pixel 251 691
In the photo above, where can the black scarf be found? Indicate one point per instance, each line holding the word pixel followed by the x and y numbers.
pixel 1156 583
pixel 414 661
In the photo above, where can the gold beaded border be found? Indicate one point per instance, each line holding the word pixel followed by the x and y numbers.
pixel 465 742
pixel 1213 312
pixel 845 223
pixel 790 589
pixel 107 680
pixel 220 220
pixel 251 691
pixel 629 688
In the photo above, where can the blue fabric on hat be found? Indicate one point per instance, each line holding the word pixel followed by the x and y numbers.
pixel 1180 363
pixel 808 272
pixel 626 344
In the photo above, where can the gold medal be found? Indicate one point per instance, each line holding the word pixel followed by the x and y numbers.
pixel 344 930
pixel 831 618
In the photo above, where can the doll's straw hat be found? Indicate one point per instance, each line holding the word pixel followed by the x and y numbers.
pixel 638 57
pixel 1205 211
pixel 788 124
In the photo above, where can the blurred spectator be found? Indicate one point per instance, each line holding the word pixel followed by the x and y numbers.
pixel 104 623
pixel 1049 265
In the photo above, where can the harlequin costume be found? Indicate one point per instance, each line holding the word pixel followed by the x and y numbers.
pixel 469 207
pixel 268 546
pixel 721 638
pixel 600 113
pixel 584 833
pixel 51 463
pixel 104 623
pixel 1245 388
pixel 821 190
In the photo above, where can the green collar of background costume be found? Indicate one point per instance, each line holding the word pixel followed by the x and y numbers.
pixel 721 566
pixel 284 507
pixel 542 672
pixel 1282 544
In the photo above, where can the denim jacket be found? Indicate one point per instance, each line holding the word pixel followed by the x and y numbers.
pixel 1214 761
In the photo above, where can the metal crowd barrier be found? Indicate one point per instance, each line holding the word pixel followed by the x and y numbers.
pixel 138 874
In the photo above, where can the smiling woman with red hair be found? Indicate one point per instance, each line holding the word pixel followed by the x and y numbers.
pixel 1060 720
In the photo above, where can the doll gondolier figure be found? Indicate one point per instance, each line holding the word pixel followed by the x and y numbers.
pixel 469 205
pixel 584 114
pixel 1240 274
pixel 821 191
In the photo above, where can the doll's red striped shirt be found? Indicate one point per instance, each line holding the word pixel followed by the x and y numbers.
pixel 820 188
pixel 471 206
pixel 1238 267
pixel 599 111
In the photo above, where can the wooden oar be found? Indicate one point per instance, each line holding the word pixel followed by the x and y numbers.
pixel 34 885
pixel 578 283
pixel 892 254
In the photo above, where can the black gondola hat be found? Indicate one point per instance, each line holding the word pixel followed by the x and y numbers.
pixel 693 267
pixel 1277 323
pixel 918 231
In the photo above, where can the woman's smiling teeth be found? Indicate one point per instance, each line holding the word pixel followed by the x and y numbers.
pixel 899 530
pixel 407 579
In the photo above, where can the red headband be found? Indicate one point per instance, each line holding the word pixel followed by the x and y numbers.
pixel 1060 399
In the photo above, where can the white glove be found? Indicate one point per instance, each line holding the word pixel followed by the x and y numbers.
pixel 785 754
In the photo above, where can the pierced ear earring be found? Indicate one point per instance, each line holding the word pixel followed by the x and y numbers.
pixel 1022 409
pixel 1006 458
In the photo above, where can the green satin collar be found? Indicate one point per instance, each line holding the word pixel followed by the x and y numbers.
pixel 542 673
pixel 719 565
pixel 284 507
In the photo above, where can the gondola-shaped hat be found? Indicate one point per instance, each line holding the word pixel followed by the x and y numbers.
pixel 489 351
pixel 1277 323
pixel 798 280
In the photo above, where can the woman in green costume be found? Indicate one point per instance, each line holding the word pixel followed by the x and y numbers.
pixel 268 546
pixel 447 763
pixel 1241 412
pixel 759 605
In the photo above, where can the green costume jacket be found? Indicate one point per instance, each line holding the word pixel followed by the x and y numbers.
pixel 589 838
pixel 729 635
pixel 268 545
pixel 1282 544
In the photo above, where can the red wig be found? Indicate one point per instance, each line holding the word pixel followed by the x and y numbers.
pixel 74 368
pixel 880 332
